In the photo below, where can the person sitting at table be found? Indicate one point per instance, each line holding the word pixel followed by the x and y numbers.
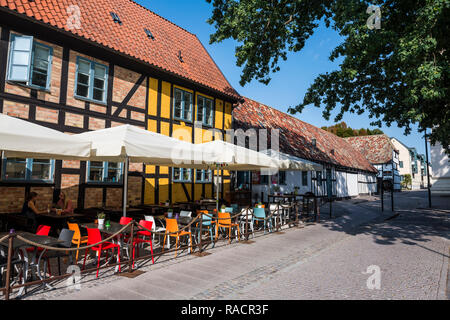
pixel 65 203
pixel 30 210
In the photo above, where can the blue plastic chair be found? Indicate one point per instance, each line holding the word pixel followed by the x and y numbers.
pixel 259 214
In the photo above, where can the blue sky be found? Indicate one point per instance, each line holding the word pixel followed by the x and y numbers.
pixel 289 85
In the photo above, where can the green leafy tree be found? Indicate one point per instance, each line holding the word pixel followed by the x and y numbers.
pixel 398 73
pixel 407 181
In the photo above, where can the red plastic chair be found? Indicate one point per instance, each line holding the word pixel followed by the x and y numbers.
pixel 125 220
pixel 143 233
pixel 94 237
pixel 43 230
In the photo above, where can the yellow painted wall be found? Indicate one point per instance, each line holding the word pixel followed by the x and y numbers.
pixel 183 132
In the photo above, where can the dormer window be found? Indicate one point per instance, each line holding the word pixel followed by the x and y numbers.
pixel 149 34
pixel 116 18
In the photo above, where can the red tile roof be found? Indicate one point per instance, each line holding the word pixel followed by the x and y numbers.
pixel 378 149
pixel 296 136
pixel 130 38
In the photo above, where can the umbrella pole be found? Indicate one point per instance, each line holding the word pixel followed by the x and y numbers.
pixel 125 186
pixel 217 190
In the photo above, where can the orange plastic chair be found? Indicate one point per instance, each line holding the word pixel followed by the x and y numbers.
pixel 224 221
pixel 77 238
pixel 172 227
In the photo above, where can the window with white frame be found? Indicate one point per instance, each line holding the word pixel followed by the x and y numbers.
pixel 91 80
pixel 30 62
pixel 181 175
pixel 203 176
pixel 205 110
pixel 104 172
pixel 21 169
pixel 182 105
pixel 282 178
pixel 304 178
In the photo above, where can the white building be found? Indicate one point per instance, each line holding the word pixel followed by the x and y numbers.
pixel 382 154
pixel 346 173
pixel 440 178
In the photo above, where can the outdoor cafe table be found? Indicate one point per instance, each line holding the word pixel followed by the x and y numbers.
pixel 20 245
pixel 114 228
pixel 288 197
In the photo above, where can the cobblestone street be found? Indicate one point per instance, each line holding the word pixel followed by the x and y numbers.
pixel 327 260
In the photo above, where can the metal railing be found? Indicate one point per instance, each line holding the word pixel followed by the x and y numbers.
pixel 292 219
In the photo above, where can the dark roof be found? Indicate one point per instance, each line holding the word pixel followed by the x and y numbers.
pixel 296 136
pixel 130 38
pixel 378 149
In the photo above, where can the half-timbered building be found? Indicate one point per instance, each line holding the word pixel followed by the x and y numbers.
pixel 80 65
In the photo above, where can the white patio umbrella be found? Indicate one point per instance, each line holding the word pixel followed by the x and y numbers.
pixel 129 143
pixel 243 159
pixel 20 138
pixel 289 162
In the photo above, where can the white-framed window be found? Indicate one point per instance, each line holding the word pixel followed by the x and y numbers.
pixel 282 178
pixel 91 80
pixel 181 175
pixel 182 105
pixel 29 170
pixel 304 178
pixel 30 62
pixel 104 172
pixel 205 110
pixel 203 176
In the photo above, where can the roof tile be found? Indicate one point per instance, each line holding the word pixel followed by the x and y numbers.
pixel 130 39
pixel 296 136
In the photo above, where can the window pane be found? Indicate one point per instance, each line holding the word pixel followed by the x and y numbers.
pixel 22 43
pixel 41 53
pixel 83 79
pixel 99 83
pixel 200 108
pixel 199 175
pixel 98 95
pixel 96 174
pixel 208 112
pixel 176 174
pixel 187 106
pixel 20 57
pixel 82 90
pixel 39 79
pixel 186 174
pixel 177 111
pixel 114 172
pixel 41 170
pixel 19 72
pixel 208 176
pixel 99 72
pixel 84 67
pixel 16 169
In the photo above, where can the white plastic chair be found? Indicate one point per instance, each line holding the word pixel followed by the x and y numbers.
pixel 277 213
pixel 243 221
pixel 154 227
pixel 185 214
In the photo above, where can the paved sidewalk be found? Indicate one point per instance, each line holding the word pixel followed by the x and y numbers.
pixel 321 261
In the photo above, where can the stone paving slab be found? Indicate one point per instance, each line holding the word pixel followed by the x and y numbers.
pixel 324 260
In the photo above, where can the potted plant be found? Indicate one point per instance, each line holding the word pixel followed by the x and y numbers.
pixel 101 218
pixel 223 208
pixel 170 213
pixel 296 189
pixel 259 205
pixel 276 190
